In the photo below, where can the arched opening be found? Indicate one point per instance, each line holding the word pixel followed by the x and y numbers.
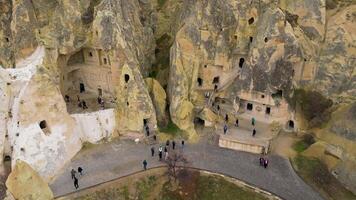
pixel 127 78
pixel 105 61
pixel 198 121
pixel 216 80
pixel 268 110
pixel 241 62
pixel 200 82
pixel 251 20
pixel 7 39
pixel 251 39
pixel 278 94
pixel 81 87
pixel 249 106
pixel 43 124
pixel 90 54
pixel 291 124
pixel 266 39
pixel 7 158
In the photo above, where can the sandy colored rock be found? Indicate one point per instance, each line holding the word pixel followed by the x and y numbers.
pixel 158 96
pixel 25 183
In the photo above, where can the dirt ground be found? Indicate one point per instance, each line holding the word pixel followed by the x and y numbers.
pixel 282 145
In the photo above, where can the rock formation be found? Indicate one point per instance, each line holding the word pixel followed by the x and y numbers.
pixel 84 71
pixel 25 183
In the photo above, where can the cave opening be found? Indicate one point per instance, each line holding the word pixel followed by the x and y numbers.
pixel 43 124
pixel 251 20
pixel 127 78
pixel 200 82
pixel 241 62
pixel 291 124
pixel 216 80
pixel 85 84
pixel 268 110
pixel 249 106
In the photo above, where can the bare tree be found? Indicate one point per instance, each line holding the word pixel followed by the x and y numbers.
pixel 175 161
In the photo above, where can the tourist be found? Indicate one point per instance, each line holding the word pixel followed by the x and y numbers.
pixel 253 121
pixel 99 100
pixel 266 163
pixel 225 129
pixel 237 122
pixel 167 143
pixel 147 130
pixel 152 151
pixel 102 103
pixel 182 143
pixel 165 150
pixel 73 172
pixel 215 88
pixel 160 155
pixel 253 132
pixel 262 161
pixel 160 149
pixel 226 118
pixel 76 185
pixel 173 144
pixel 166 156
pixel 84 105
pixel 80 170
pixel 144 164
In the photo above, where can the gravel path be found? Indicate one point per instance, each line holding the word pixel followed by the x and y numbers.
pixel 119 158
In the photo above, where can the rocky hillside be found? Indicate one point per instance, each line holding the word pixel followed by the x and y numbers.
pixel 144 63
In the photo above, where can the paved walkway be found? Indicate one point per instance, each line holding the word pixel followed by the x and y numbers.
pixel 119 158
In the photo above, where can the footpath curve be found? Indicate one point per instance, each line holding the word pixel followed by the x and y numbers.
pixel 110 161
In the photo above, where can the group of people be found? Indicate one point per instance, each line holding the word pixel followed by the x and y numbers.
pixel 264 162
pixel 75 179
pixel 253 122
pixel 83 104
pixel 162 151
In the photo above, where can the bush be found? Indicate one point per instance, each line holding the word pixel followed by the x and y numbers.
pixel 304 143
pixel 314 106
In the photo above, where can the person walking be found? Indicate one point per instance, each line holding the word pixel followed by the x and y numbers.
pixel 253 121
pixel 253 132
pixel 80 170
pixel 225 129
pixel 160 149
pixel 76 184
pixel 147 130
pixel 144 164
pixel 160 155
pixel 73 172
pixel 152 151
pixel 237 122
pixel 182 143
pixel 173 144
pixel 166 156
pixel 262 161
pixel 265 162
pixel 165 150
